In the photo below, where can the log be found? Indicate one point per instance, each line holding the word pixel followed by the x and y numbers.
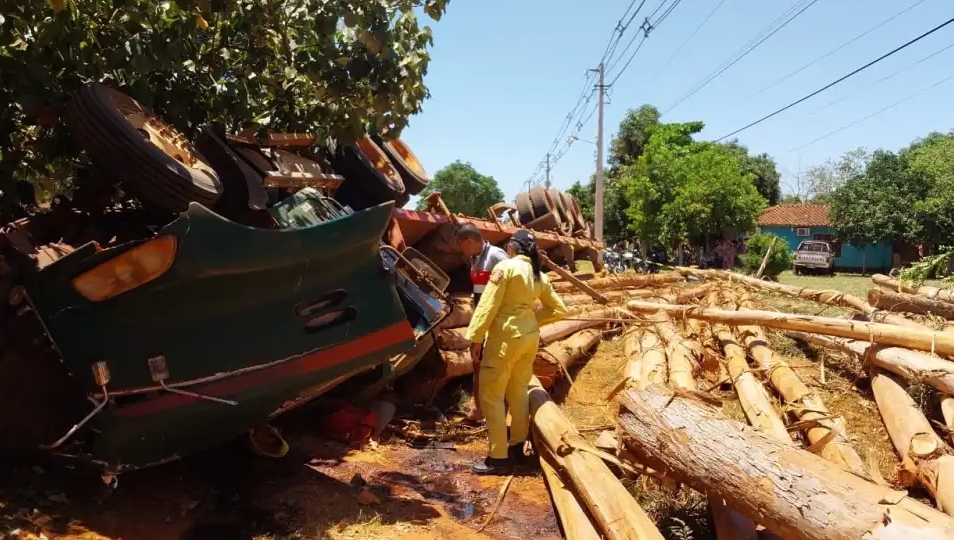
pixel 886 334
pixel 828 434
pixel 618 282
pixel 578 309
pixel 684 357
pixel 453 339
pixel 912 365
pixel 614 511
pixel 752 396
pixel 943 295
pixel 947 413
pixel 923 454
pixel 459 317
pixel 613 296
pixel 830 297
pixel 576 524
pixel 911 303
pixel 793 493
pixel 554 360
pixel 652 360
pixel 768 253
pixel 573 280
pixel 558 330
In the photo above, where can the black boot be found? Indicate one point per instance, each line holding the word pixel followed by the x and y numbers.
pixel 517 455
pixel 493 466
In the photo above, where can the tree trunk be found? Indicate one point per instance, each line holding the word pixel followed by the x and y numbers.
pixel 618 282
pixel 558 330
pixel 947 413
pixel 922 452
pixel 931 292
pixel 765 259
pixel 576 524
pixel 615 513
pixel 572 280
pixel 829 435
pixel 912 365
pixel 554 360
pixel 632 372
pixel 571 299
pixel 752 396
pixel 459 317
pixel 652 360
pixel 831 297
pixel 684 357
pixel 886 334
pixel 892 301
pixel 793 493
pixel 452 339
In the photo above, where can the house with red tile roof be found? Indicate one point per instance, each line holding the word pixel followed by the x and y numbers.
pixel 795 223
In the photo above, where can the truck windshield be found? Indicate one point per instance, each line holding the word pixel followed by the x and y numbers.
pixel 816 247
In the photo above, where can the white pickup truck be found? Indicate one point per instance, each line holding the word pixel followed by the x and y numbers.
pixel 814 256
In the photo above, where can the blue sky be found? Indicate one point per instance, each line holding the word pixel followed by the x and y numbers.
pixel 504 75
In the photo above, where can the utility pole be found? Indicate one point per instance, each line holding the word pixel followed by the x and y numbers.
pixel 599 161
pixel 547 181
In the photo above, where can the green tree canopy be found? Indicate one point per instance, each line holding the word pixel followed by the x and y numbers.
pixel 463 189
pixel 633 134
pixel 825 178
pixel 762 168
pixel 332 67
pixel 680 189
pixel 879 204
pixel 615 220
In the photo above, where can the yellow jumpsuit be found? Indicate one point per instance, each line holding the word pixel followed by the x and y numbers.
pixel 509 326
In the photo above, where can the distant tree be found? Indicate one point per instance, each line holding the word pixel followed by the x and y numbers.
pixel 825 178
pixel 615 221
pixel 633 134
pixel 791 199
pixel 681 189
pixel 880 204
pixel 762 168
pixel 933 156
pixel 463 189
pixel 584 195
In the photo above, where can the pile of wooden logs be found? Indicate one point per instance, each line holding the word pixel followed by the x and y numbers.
pixel 790 470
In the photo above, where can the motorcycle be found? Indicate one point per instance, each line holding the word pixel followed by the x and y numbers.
pixel 613 262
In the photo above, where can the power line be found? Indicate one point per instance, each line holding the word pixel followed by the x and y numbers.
pixel 688 39
pixel 647 28
pixel 881 80
pixel 840 79
pixel 621 30
pixel 876 113
pixel 836 49
pixel 746 49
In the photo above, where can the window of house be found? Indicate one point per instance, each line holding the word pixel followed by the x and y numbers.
pixel 834 243
pixel 802 231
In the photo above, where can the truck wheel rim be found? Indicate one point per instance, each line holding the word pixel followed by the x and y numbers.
pixel 409 158
pixel 380 162
pixel 163 136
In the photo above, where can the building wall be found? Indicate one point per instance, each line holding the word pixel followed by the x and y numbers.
pixel 877 258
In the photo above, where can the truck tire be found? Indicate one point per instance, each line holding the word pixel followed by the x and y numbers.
pixel 540 199
pixel 154 161
pixel 244 198
pixel 524 208
pixel 566 218
pixel 406 162
pixel 369 171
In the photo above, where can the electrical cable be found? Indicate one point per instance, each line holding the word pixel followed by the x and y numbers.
pixel 876 113
pixel 840 79
pixel 881 80
pixel 647 29
pixel 688 39
pixel 746 50
pixel 836 49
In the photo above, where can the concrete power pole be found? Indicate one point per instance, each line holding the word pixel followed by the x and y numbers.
pixel 598 211
pixel 547 181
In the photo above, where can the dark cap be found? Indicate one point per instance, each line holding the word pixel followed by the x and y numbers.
pixel 524 238
pixel 469 230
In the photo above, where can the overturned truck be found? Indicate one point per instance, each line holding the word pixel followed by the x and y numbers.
pixel 182 295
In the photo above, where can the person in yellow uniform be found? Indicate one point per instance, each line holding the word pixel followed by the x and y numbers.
pixel 507 323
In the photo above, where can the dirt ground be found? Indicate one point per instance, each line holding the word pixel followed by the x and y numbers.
pixel 322 491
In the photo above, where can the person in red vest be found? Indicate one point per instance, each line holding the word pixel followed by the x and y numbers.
pixel 483 257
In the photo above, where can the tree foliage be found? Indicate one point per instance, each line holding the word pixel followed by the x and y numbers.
pixel 615 221
pixel 463 189
pixel 633 135
pixel 825 178
pixel 756 247
pixel 879 204
pixel 680 189
pixel 337 68
pixel 763 170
